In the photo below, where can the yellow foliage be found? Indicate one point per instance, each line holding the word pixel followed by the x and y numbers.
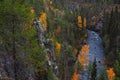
pixel 32 11
pixel 83 57
pixel 75 76
pixel 85 22
pixel 111 74
pixel 85 49
pixel 58 47
pixel 51 2
pixel 51 7
pixel 80 22
pixel 43 19
pixel 75 51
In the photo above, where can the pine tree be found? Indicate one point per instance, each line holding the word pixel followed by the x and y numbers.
pixel 94 70
pixel 14 16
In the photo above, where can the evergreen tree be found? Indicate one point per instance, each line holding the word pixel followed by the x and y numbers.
pixel 15 17
pixel 103 75
pixel 94 70
pixel 117 66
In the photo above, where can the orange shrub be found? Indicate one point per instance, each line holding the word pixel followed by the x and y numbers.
pixel 43 19
pixel 83 57
pixel 110 74
pixel 75 76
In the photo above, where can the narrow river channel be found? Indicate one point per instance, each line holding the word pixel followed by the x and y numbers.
pixel 96 50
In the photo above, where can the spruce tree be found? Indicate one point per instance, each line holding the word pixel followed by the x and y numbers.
pixel 94 70
pixel 14 16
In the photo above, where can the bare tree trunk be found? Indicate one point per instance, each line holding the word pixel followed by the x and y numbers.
pixel 13 48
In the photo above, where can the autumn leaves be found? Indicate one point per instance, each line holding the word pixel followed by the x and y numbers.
pixel 58 47
pixel 83 56
pixel 83 59
pixel 110 74
pixel 81 24
pixel 43 20
pixel 75 76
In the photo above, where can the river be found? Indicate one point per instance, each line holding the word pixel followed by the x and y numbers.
pixel 96 50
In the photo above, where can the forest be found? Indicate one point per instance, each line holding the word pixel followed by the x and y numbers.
pixel 59 39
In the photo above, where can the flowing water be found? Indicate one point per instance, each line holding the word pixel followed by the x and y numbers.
pixel 96 50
